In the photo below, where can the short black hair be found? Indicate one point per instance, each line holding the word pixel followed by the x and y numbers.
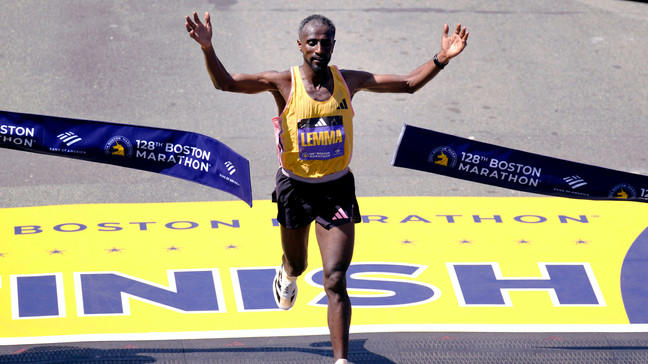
pixel 317 18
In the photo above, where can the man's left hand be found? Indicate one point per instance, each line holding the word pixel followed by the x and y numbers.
pixel 452 45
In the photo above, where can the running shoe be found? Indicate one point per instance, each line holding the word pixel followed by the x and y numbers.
pixel 285 290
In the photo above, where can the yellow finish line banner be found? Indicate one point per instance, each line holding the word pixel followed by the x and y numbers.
pixel 205 269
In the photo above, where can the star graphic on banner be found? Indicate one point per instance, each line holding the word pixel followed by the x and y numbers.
pixel 581 242
pixel 465 241
pixel 523 241
pixel 55 251
pixel 231 246
pixel 173 248
pixel 114 250
pixel 407 242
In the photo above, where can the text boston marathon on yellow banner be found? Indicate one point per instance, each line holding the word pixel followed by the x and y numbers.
pixel 204 269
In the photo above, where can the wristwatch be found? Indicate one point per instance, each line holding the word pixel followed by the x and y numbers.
pixel 438 63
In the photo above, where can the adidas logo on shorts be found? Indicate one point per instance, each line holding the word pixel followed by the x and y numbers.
pixel 340 215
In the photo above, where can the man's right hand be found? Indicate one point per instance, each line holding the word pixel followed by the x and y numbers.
pixel 201 33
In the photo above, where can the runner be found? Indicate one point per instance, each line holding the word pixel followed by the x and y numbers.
pixel 314 134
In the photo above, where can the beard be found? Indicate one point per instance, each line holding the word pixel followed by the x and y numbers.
pixel 320 64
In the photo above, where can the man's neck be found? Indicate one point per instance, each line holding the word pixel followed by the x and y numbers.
pixel 316 78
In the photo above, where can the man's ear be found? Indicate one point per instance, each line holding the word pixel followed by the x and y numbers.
pixel 299 45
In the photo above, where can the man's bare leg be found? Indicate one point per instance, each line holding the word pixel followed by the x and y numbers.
pixel 295 249
pixel 336 248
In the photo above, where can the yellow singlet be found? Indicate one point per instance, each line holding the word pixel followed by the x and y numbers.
pixel 315 138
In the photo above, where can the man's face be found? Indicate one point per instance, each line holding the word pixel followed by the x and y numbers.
pixel 316 44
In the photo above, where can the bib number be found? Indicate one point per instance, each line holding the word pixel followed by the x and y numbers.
pixel 321 138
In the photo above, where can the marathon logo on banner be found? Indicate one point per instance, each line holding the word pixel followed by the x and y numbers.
pixel 431 151
pixel 176 153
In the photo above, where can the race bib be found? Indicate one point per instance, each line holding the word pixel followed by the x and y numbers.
pixel 321 138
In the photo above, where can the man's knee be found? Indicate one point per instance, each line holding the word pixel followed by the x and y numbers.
pixel 295 268
pixel 335 282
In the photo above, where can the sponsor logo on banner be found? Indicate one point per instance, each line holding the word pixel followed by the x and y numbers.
pixel 443 156
pixel 69 138
pixel 623 191
pixel 231 169
pixel 119 146
pixel 575 182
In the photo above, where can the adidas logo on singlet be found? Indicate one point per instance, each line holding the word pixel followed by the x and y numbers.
pixel 342 105
pixel 320 123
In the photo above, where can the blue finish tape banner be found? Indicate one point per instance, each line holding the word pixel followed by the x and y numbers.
pixel 176 153
pixel 431 151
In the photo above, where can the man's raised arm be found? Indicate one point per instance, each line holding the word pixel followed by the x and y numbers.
pixel 222 80
pixel 451 46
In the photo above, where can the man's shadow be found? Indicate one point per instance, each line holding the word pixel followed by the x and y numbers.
pixel 70 354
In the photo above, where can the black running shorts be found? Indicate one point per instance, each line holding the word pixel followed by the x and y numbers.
pixel 328 203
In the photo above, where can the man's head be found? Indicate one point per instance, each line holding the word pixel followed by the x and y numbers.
pixel 316 18
pixel 316 41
